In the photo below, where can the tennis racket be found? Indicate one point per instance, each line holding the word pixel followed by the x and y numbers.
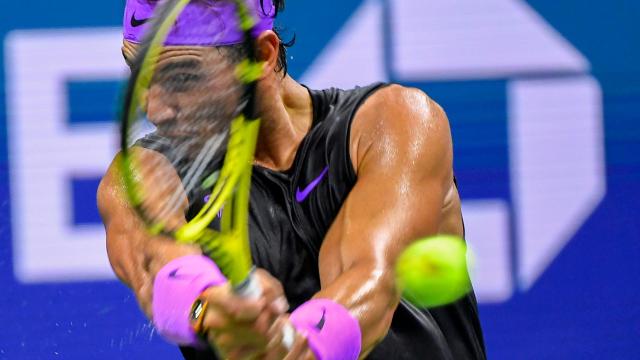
pixel 206 136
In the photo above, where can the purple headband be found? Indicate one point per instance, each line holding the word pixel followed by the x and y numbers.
pixel 201 23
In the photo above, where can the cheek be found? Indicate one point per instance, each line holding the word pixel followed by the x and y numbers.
pixel 159 107
pixel 222 93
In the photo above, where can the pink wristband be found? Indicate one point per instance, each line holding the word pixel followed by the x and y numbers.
pixel 176 287
pixel 332 332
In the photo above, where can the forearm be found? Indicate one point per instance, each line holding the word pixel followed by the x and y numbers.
pixel 127 263
pixel 137 257
pixel 134 254
pixel 370 295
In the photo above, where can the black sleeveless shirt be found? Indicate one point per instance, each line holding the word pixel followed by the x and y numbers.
pixel 290 213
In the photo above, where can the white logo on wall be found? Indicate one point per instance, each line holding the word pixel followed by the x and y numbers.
pixel 44 151
pixel 554 105
pixel 555 116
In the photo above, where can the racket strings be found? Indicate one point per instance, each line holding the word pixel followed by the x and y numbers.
pixel 209 142
pixel 192 178
pixel 205 125
pixel 238 160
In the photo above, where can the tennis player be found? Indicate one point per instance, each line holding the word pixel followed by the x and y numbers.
pixel 343 181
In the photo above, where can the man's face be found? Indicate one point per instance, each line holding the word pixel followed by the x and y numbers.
pixel 193 93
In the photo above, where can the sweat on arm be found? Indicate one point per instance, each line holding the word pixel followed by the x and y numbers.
pixel 402 153
pixel 134 254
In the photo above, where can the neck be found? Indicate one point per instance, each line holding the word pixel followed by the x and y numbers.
pixel 286 114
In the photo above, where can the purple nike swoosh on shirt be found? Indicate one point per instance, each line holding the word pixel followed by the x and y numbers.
pixel 301 195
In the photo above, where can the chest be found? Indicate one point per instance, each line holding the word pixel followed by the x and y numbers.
pixel 294 209
pixel 289 216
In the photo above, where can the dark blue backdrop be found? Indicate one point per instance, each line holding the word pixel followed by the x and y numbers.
pixel 585 304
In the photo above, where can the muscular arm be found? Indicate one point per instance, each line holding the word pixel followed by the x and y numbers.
pixel 135 256
pixel 239 324
pixel 401 148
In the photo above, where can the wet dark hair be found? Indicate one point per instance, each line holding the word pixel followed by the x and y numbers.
pixel 282 52
pixel 237 53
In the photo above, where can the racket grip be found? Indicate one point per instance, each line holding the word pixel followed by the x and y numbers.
pixel 251 288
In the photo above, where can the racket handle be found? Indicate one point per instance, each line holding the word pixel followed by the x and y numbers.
pixel 251 288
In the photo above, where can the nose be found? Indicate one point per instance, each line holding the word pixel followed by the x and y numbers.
pixel 160 107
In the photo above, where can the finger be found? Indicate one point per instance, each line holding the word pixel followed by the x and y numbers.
pixel 308 355
pixel 210 318
pixel 280 305
pixel 219 350
pixel 244 352
pixel 235 337
pixel 264 322
pixel 247 311
pixel 222 341
pixel 272 291
pixel 233 306
pixel 215 321
pixel 299 348
pixel 271 287
pixel 276 349
pixel 274 334
pixel 229 334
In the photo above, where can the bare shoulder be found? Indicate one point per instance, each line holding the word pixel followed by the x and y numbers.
pixel 110 191
pixel 111 195
pixel 400 119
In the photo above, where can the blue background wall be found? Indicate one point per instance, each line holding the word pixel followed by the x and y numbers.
pixel 584 305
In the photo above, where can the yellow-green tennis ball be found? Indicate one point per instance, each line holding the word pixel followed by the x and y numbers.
pixel 433 271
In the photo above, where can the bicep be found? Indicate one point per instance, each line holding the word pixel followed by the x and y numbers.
pixel 404 172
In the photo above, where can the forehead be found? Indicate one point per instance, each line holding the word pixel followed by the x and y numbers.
pixel 201 52
pixel 171 54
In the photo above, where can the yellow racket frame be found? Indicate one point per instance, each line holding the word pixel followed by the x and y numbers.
pixel 229 247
